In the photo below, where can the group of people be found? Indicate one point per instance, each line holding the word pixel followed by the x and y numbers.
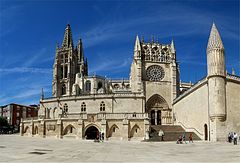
pixel 232 137
pixel 99 137
pixel 182 138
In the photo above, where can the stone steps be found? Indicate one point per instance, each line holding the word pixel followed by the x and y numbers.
pixel 171 133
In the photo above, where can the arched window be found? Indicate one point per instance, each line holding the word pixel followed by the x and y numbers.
pixel 63 89
pixel 66 58
pixel 102 106
pixel 88 86
pixel 83 107
pixel 65 71
pixel 65 108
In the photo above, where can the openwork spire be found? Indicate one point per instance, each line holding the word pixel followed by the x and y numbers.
pixel 67 40
pixel 214 41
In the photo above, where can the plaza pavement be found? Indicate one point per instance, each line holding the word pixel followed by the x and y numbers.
pixel 14 148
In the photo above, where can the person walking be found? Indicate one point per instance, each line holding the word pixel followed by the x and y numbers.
pixel 102 136
pixel 235 136
pixel 190 138
pixel 229 138
pixel 161 134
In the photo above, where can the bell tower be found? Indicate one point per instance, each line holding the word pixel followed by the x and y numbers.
pixel 216 84
pixel 65 66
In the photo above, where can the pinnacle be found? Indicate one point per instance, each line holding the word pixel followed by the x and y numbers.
pixel 214 41
pixel 172 46
pixel 67 40
pixel 137 44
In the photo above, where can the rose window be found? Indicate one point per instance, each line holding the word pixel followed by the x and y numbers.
pixel 155 73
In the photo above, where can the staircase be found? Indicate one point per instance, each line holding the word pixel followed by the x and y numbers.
pixel 171 133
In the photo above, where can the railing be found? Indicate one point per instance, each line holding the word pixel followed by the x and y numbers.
pixel 97 95
pixel 235 77
pixel 122 115
pixel 29 118
pixel 190 128
pixel 73 115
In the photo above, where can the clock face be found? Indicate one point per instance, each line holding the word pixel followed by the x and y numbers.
pixel 155 73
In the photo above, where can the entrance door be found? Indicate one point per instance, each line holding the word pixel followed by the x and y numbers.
pixel 152 117
pixel 159 122
pixel 91 132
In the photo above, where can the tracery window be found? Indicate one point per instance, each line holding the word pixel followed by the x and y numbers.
pixel 66 58
pixel 155 73
pixel 83 107
pixel 63 89
pixel 102 106
pixel 65 71
pixel 62 58
pixel 88 86
pixel 65 108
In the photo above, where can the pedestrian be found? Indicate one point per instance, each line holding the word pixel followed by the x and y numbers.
pixel 235 136
pixel 190 138
pixel 229 137
pixel 102 136
pixel 161 134
pixel 179 140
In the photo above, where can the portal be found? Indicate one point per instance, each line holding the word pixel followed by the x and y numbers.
pixel 91 132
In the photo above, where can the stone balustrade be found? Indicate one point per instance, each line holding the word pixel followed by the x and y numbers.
pixel 122 115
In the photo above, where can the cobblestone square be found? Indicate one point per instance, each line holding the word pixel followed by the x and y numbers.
pixel 14 148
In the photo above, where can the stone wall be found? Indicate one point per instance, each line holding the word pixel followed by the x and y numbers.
pixel 233 107
pixel 191 112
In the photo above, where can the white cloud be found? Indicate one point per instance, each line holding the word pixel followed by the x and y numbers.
pixel 25 70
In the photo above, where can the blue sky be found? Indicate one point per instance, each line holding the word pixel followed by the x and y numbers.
pixel 29 31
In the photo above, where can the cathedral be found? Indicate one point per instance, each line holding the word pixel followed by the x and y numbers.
pixel 153 99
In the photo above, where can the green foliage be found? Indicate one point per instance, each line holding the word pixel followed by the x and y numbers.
pixel 3 122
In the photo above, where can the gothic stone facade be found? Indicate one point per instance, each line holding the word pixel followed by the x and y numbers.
pixel 83 105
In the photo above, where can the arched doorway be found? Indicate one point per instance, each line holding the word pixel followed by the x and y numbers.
pixel 158 110
pixel 159 120
pixel 205 132
pixel 91 132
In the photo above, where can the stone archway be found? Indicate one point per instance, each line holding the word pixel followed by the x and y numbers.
pixel 91 132
pixel 158 110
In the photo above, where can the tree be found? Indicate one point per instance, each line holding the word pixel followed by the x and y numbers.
pixel 3 122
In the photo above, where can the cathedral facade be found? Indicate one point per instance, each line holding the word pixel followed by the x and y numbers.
pixel 152 99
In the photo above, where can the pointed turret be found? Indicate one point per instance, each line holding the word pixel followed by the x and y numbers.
pixel 172 47
pixel 233 71
pixel 42 95
pixel 80 51
pixel 86 67
pixel 137 48
pixel 216 84
pixel 56 55
pixel 67 40
pixel 215 54
pixel 214 41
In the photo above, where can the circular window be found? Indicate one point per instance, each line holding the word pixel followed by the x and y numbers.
pixel 155 73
